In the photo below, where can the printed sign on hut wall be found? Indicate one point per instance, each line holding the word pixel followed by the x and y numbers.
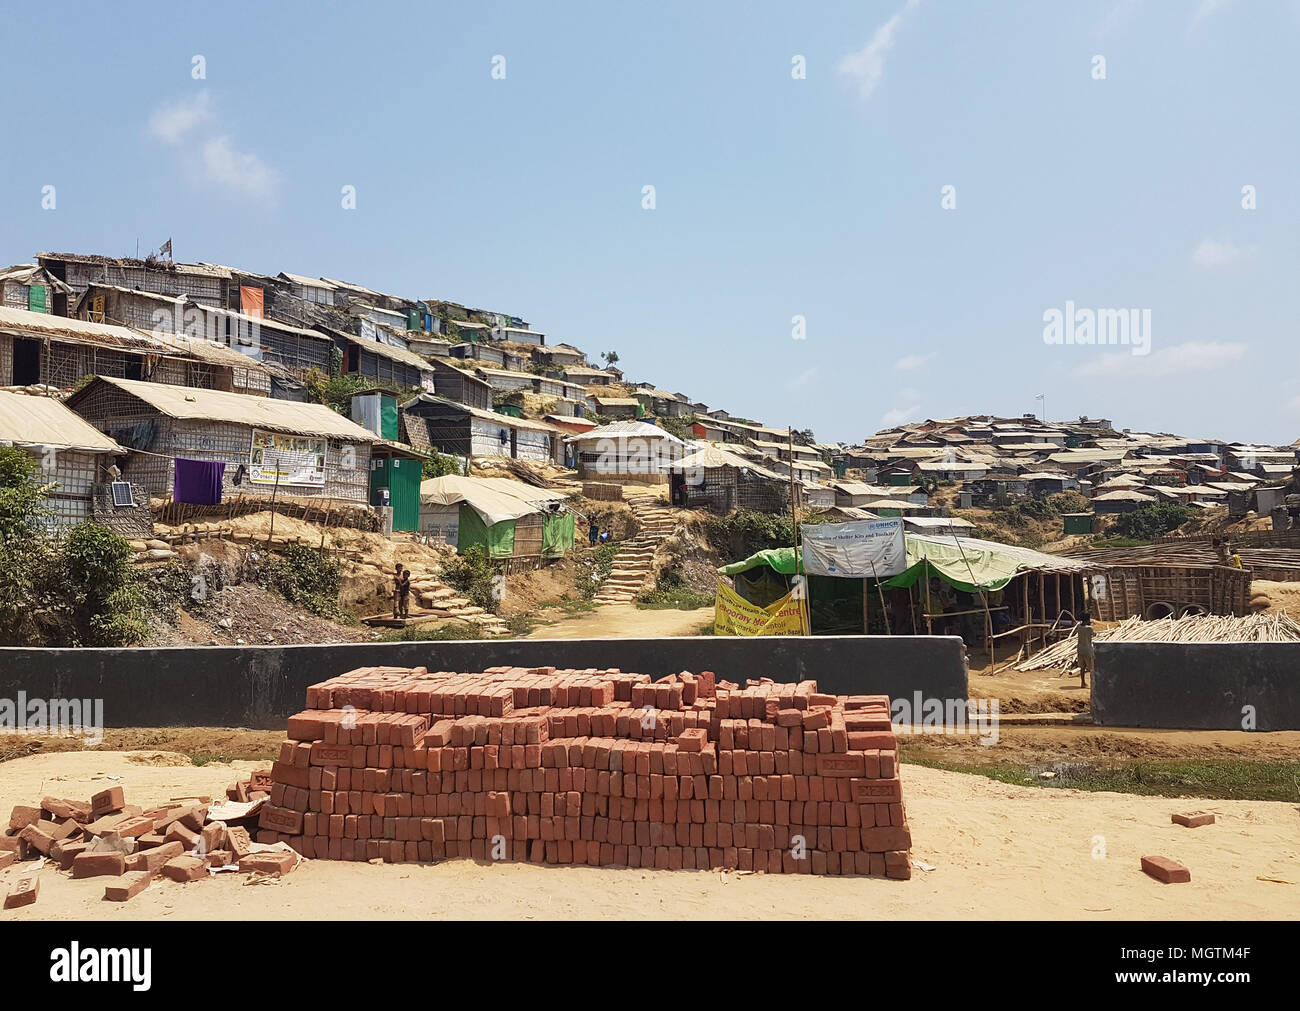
pixel 863 549
pixel 288 459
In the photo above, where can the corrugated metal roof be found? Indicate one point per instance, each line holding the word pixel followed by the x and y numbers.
pixel 39 422
pixel 286 416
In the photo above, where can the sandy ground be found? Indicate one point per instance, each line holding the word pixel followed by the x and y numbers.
pixel 998 851
pixel 625 621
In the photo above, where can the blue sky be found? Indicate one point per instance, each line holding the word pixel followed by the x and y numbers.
pixel 775 197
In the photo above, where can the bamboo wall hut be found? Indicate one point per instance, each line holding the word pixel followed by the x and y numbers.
pixel 73 456
pixel 269 446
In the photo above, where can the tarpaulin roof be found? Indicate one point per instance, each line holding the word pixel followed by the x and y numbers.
pixel 494 498
pixel 711 456
pixel 44 421
pixel 191 404
pixel 967 563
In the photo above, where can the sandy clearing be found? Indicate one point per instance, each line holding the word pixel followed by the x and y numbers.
pixel 1000 852
pixel 626 621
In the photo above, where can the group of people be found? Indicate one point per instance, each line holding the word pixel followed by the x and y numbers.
pixel 597 534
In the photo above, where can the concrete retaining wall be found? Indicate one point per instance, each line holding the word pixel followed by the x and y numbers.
pixel 1197 686
pixel 251 686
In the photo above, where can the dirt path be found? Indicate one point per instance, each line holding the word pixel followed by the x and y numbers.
pixel 626 621
pixel 999 852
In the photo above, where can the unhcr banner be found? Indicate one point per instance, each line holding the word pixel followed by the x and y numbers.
pixel 734 615
pixel 863 549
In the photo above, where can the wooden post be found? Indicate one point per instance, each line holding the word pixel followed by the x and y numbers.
pixel 925 574
pixel 276 487
pixel 1025 620
pixel 1042 606
pixel 911 610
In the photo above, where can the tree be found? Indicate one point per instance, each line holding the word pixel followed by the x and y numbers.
pixel 611 357
pixel 803 436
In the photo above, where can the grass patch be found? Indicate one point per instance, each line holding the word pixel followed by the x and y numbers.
pixel 673 592
pixel 444 633
pixel 1213 780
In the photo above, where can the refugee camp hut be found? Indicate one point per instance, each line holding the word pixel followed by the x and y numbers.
pixel 464 431
pixel 856 494
pixel 452 383
pixel 40 348
pixel 1115 502
pixel 715 479
pixel 74 457
pixel 470 351
pixel 513 522
pixel 818 496
pixel 205 283
pixel 269 447
pixel 505 381
pixel 937 525
pixel 1044 483
pixel 380 361
pixel 626 451
pixel 618 407
pixel 28 286
pixel 585 375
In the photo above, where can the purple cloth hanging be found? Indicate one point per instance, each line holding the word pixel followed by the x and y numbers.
pixel 198 482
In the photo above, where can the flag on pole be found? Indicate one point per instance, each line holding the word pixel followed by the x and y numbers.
pixel 1040 396
pixel 166 249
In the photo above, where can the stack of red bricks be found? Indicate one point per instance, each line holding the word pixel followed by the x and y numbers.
pixel 597 767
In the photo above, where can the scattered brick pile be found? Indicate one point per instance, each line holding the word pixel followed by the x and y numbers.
pixel 106 837
pixel 595 767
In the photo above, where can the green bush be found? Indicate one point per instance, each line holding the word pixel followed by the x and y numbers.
pixel 472 574
pixel 439 465
pixel 1152 520
pixel 594 568
pixel 108 605
pixel 1068 502
pixel 303 576
pixel 741 533
pixel 454 631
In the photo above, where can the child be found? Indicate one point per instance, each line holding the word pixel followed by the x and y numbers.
pixel 1086 653
pixel 397 590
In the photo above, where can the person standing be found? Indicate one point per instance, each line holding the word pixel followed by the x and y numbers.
pixel 397 590
pixel 593 531
pixel 404 593
pixel 1087 654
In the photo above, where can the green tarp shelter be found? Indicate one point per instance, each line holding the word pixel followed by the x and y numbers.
pixel 498 539
pixel 966 563
pixel 557 534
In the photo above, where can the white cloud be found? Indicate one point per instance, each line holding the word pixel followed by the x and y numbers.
pixel 170 123
pixel 1180 359
pixel 899 415
pixel 803 380
pixel 1206 10
pixel 867 65
pixel 207 155
pixel 238 171
pixel 1211 253
pixel 910 363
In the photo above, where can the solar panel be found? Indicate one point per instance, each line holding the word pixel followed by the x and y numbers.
pixel 122 494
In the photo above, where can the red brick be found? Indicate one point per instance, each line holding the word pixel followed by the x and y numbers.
pixel 23 892
pixel 92 865
pixel 127 886
pixel 273 862
pixel 107 801
pixel 1193 819
pixel 1166 870
pixel 185 868
pixel 152 861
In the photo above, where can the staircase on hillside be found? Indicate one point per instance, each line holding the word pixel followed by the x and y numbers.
pixel 433 595
pixel 635 559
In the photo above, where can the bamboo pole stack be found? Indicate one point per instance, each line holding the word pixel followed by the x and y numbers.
pixel 1199 628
